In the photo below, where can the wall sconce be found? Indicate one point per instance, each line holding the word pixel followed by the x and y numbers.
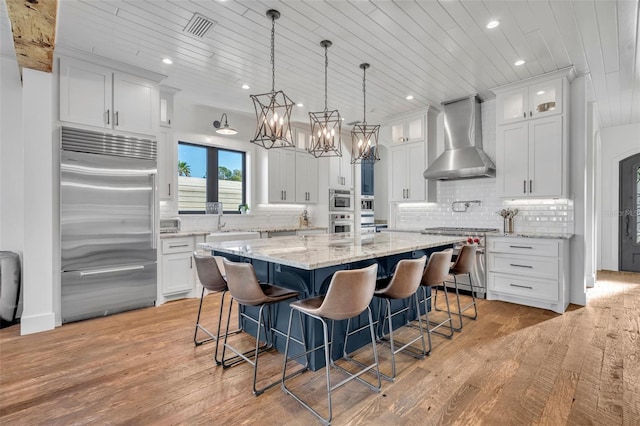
pixel 224 129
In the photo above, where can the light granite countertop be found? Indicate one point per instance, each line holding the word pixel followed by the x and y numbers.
pixel 534 235
pixel 318 251
pixel 261 229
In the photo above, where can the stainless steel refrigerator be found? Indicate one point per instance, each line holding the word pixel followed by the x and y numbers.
pixel 107 229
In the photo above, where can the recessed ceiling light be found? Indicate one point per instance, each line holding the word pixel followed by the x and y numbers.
pixel 409 97
pixel 300 104
pixel 518 62
pixel 493 24
pixel 167 61
pixel 541 92
pixel 245 87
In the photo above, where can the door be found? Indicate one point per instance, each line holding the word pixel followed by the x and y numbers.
pixel 513 155
pixel 629 225
pixel 85 94
pixel 545 157
pixel 416 163
pixel 136 104
pixel 398 173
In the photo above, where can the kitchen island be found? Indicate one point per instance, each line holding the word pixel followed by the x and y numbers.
pixel 307 263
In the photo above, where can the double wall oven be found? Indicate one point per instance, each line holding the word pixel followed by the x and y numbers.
pixel 341 211
pixel 475 236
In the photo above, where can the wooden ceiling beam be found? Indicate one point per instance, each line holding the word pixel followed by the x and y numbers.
pixel 33 24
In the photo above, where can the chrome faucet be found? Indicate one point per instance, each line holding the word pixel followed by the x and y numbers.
pixel 220 226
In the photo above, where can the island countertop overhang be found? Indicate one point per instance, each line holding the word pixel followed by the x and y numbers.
pixel 311 252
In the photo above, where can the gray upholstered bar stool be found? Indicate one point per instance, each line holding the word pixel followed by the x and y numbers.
pixel 211 273
pixel 403 285
pixel 463 266
pixel 435 275
pixel 246 290
pixel 349 294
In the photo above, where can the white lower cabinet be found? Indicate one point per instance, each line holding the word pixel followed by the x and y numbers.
pixel 178 275
pixel 529 271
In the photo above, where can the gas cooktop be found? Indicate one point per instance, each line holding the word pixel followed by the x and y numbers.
pixel 447 230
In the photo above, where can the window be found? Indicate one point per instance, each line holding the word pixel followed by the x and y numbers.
pixel 208 174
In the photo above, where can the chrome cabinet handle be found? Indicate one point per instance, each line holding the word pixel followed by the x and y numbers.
pixel 521 266
pixel 111 270
pixel 530 186
pixel 178 245
pixel 117 121
pixel 530 114
pixel 524 186
pixel 626 219
pixel 169 190
pixel 524 247
pixel 524 114
pixel 191 263
pixel 285 195
pixel 108 115
pixel 521 286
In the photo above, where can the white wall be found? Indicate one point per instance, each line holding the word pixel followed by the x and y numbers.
pixel 616 144
pixel 41 247
pixel 11 158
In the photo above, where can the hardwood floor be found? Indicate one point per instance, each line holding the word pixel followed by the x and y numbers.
pixel 513 366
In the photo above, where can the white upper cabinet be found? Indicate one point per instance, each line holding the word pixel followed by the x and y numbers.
pixel 306 178
pixel 282 173
pixel 166 108
pixel 408 162
pixel 534 101
pixel 96 96
pixel 532 138
pixel 340 168
pixel 408 130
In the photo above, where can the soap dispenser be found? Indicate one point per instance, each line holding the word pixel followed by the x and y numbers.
pixel 304 218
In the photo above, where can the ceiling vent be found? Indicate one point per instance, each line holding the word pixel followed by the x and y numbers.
pixel 199 25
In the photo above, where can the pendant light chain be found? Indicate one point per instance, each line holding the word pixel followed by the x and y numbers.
pixel 326 66
pixel 273 54
pixel 364 95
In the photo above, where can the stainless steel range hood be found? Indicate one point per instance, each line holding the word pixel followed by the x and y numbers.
pixel 463 157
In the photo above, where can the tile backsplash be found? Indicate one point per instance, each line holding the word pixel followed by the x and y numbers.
pixel 266 218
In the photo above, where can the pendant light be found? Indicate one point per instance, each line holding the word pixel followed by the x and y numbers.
pixel 326 126
pixel 273 110
pixel 364 137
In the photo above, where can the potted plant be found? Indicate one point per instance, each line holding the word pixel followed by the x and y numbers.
pixel 243 208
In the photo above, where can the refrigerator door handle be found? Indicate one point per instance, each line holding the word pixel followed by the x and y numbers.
pixel 111 270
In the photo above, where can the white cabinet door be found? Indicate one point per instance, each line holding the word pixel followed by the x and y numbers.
pixel 135 104
pixel 166 109
pixel 306 178
pixel 166 165
pixel 398 173
pixel 282 169
pixel 512 157
pixel 408 130
pixel 177 273
pixel 545 99
pixel 513 106
pixel 415 166
pixel 545 157
pixel 347 169
pixel 85 93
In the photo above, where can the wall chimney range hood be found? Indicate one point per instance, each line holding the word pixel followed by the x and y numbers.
pixel 463 157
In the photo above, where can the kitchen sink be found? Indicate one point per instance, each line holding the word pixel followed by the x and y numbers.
pixel 231 236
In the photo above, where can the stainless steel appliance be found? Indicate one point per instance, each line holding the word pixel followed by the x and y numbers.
pixel 107 223
pixel 474 236
pixel 367 223
pixel 341 200
pixel 341 222
pixel 366 204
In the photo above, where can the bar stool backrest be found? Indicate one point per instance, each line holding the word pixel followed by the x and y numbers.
pixel 437 268
pixel 349 293
pixel 406 279
pixel 243 283
pixel 209 273
pixel 466 258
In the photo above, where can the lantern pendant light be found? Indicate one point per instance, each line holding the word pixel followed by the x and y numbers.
pixel 364 137
pixel 273 110
pixel 326 126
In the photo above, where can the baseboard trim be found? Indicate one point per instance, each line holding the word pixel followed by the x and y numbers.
pixel 37 323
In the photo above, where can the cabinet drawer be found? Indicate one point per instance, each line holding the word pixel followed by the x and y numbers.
pixel 525 246
pixel 533 266
pixel 177 245
pixel 524 287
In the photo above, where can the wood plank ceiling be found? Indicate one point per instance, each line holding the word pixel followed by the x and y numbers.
pixel 433 50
